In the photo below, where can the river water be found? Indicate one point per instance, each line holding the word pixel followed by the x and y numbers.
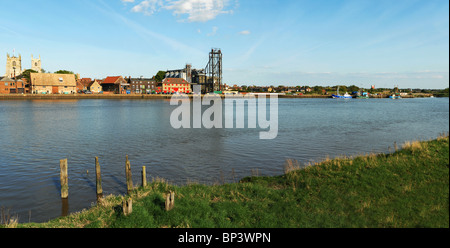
pixel 36 134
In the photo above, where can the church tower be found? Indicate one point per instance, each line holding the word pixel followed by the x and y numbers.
pixel 36 64
pixel 13 66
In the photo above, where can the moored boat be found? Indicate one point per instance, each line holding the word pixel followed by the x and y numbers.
pixel 337 95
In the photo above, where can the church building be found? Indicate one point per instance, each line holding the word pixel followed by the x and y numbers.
pixel 13 66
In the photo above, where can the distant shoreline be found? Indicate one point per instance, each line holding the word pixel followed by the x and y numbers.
pixel 137 96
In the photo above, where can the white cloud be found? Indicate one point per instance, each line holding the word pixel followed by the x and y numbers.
pixel 148 7
pixel 199 10
pixel 196 10
pixel 245 32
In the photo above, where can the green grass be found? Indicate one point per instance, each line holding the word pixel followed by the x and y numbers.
pixel 409 188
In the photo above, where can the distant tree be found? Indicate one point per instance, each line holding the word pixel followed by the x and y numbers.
pixel 159 77
pixel 317 89
pixel 26 74
pixel 353 88
pixel 342 88
pixel 66 72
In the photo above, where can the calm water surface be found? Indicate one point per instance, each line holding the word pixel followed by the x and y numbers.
pixel 35 135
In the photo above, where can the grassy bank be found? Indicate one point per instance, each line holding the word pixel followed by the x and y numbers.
pixel 409 188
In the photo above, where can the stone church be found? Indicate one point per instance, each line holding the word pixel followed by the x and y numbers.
pixel 14 65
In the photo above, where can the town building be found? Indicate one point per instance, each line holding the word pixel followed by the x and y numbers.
pixel 192 76
pixel 185 73
pixel 11 86
pixel 83 84
pixel 176 85
pixel 115 85
pixel 142 85
pixel 95 86
pixel 49 83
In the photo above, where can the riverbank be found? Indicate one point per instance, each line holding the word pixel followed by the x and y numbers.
pixel 119 97
pixel 408 188
pixel 150 97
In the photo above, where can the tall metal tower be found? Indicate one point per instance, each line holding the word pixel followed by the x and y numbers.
pixel 214 70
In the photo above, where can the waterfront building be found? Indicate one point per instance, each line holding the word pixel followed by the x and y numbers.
pixel 49 83
pixel 115 85
pixel 11 86
pixel 185 73
pixel 83 83
pixel 142 85
pixel 176 85
pixel 95 86
pixel 192 76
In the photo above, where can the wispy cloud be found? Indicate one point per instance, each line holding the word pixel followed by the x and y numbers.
pixel 147 7
pixel 245 32
pixel 199 10
pixel 196 10
pixel 214 31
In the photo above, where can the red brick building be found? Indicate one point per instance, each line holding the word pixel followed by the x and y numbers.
pixel 11 86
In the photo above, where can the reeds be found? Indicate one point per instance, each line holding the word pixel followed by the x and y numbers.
pixel 291 165
pixel 7 220
pixel 412 145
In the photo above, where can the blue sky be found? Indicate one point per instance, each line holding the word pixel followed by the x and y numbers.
pixel 264 42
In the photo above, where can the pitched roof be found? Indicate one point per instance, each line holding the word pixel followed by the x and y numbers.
pixel 8 79
pixel 50 79
pixel 175 81
pixel 111 80
pixel 84 81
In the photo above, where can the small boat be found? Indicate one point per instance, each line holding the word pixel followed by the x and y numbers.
pixel 395 96
pixel 345 96
pixel 363 95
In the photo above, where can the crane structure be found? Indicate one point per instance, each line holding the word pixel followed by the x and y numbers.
pixel 214 70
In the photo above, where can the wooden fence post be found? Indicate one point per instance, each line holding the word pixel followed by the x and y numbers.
pixel 64 177
pixel 127 206
pixel 128 175
pixel 170 200
pixel 99 177
pixel 144 177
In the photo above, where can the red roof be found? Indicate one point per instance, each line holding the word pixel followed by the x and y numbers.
pixel 110 80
